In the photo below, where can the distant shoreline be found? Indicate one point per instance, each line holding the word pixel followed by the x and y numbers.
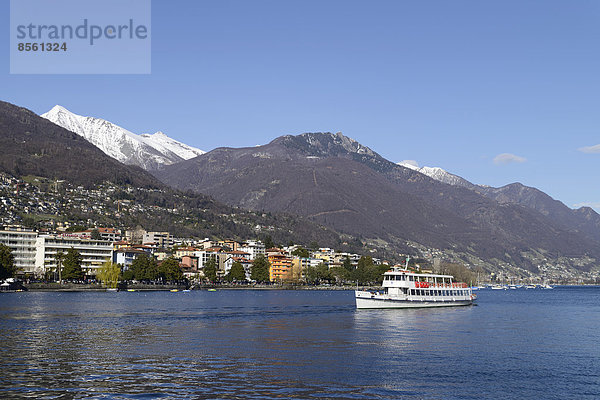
pixel 72 287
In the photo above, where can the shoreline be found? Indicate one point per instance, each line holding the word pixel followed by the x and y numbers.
pixel 71 287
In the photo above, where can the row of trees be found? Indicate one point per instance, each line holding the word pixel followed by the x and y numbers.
pixel 259 271
pixel 68 266
pixel 366 272
pixel 145 268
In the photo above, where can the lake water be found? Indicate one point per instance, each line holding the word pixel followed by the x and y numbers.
pixel 303 344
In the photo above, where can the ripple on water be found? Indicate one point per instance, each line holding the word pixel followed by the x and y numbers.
pixel 297 344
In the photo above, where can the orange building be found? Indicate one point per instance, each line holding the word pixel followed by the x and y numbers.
pixel 281 267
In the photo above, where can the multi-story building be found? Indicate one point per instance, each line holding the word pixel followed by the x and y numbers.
pixel 22 243
pixel 94 253
pixel 339 258
pixel 126 255
pixel 162 239
pixel 253 248
pixel 110 234
pixel 246 264
pixel 280 267
pixel 185 251
pixel 324 254
pixel 204 255
pixel 189 265
pixel 230 244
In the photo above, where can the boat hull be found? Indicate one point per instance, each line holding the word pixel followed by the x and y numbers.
pixel 374 303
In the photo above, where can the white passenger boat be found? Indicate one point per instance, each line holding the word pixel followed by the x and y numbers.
pixel 406 289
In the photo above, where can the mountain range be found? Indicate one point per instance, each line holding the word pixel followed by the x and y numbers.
pixel 32 147
pixel 149 151
pixel 583 219
pixel 335 181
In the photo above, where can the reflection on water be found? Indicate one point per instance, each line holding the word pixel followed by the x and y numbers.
pixel 303 344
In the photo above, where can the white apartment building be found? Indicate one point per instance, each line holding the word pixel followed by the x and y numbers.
pixel 22 243
pixel 93 252
pixel 253 248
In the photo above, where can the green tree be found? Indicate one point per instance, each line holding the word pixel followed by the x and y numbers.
pixel 210 269
pixel 109 273
pixel 95 234
pixel 259 271
pixel 236 273
pixel 144 268
pixel 7 263
pixel 366 271
pixel 340 273
pixel 127 275
pixel 347 264
pixel 170 271
pixel 301 252
pixel 319 274
pixel 72 265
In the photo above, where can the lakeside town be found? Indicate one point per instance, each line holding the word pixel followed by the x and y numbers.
pixel 36 254
pixel 34 226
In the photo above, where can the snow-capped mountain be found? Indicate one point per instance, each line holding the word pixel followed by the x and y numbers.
pixel 147 151
pixel 165 144
pixel 438 174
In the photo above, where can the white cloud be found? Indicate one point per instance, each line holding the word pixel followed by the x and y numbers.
pixel 590 149
pixel 508 158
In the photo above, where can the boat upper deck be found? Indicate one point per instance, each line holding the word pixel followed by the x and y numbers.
pixel 406 278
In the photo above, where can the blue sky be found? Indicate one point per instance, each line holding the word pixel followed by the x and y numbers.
pixel 453 84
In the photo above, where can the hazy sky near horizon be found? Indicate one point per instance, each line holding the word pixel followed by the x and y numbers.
pixel 495 91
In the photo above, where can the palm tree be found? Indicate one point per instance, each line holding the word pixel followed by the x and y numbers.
pixel 59 257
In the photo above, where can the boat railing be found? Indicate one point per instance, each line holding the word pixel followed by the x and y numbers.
pixel 454 285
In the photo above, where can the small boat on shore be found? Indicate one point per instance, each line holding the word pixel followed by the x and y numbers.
pixel 530 286
pixel 406 289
